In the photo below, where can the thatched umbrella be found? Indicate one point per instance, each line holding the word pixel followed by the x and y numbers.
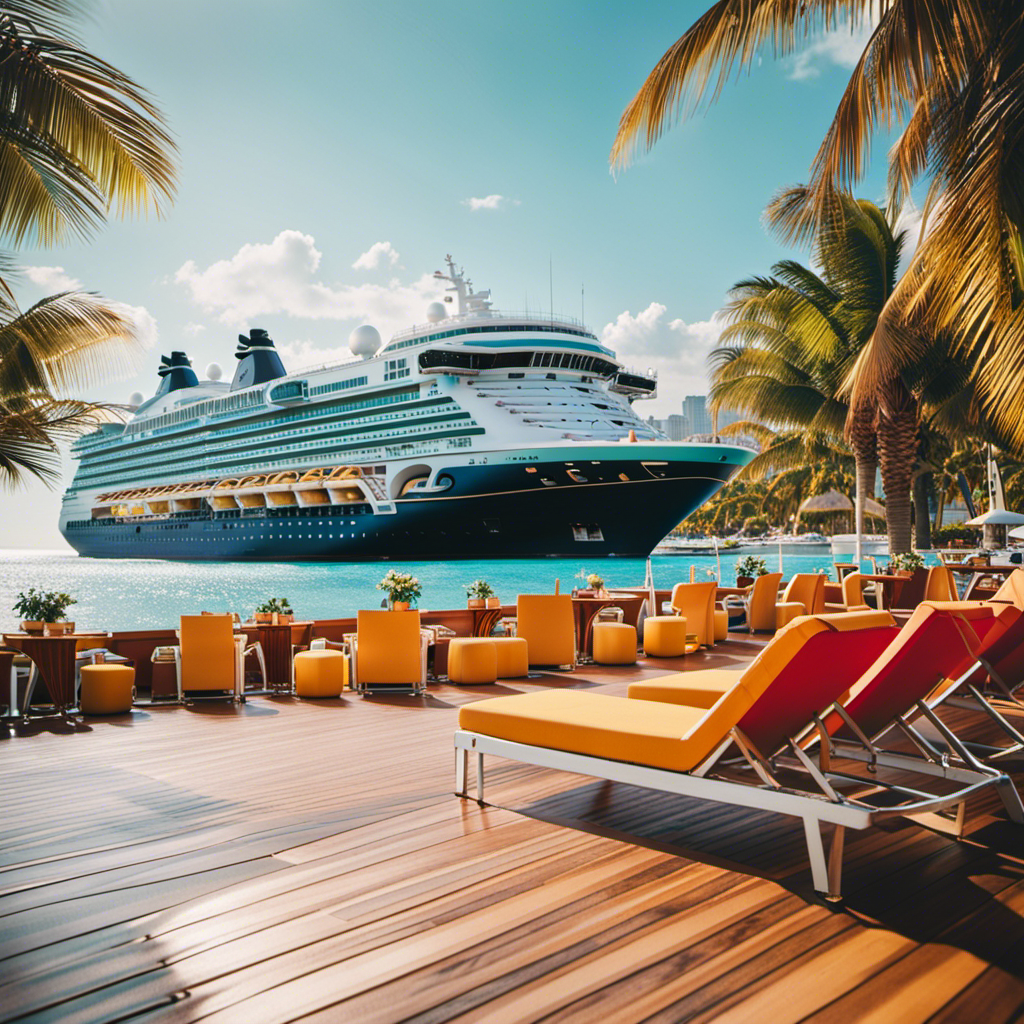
pixel 830 501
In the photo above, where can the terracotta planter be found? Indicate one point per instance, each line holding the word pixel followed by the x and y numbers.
pixel 263 618
pixel 59 628
pixel 33 627
pixel 399 606
pixel 744 581
pixel 286 619
pixel 475 602
pixel 494 602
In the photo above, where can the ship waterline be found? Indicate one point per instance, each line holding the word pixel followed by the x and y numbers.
pixel 480 434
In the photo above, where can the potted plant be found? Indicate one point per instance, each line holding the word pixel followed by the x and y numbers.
pixel 274 609
pixel 749 567
pixel 480 594
pixel 596 583
pixel 906 563
pixel 44 611
pixel 402 589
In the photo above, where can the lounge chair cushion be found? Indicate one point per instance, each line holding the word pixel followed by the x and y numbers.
pixel 694 689
pixel 636 731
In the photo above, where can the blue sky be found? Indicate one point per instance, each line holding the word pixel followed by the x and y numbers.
pixel 331 153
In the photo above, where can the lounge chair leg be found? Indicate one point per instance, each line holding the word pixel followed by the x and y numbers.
pixel 1011 799
pixel 480 777
pixel 826 876
pixel 461 764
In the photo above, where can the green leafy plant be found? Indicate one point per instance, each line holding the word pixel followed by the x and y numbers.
pixel 955 531
pixel 751 565
pixel 400 586
pixel 43 605
pixel 480 590
pixel 908 561
pixel 275 604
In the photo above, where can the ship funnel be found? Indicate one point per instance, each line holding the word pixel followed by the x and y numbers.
pixel 175 373
pixel 258 361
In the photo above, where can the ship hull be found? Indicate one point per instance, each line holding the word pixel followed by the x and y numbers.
pixel 488 512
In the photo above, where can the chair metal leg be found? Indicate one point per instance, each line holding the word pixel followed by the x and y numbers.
pixel 826 875
pixel 1011 799
pixel 461 765
pixel 480 777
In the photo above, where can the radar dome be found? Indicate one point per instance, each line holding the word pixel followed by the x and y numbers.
pixel 135 399
pixel 364 341
pixel 435 312
pixel 214 372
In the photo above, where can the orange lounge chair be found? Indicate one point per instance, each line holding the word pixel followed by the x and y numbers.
pixel 389 652
pixel 804 595
pixel 680 749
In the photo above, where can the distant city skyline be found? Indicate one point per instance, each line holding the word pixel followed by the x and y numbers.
pixel 332 153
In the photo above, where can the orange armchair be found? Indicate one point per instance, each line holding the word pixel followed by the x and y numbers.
pixel 210 656
pixel 696 603
pixel 547 624
pixel 759 604
pixel 389 652
pixel 941 585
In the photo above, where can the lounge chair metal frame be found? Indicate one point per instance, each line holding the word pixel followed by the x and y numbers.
pixel 770 793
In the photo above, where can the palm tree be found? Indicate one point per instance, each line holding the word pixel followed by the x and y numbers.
pixel 795 338
pixel 952 74
pixel 77 139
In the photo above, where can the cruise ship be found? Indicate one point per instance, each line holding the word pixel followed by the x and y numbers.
pixel 477 434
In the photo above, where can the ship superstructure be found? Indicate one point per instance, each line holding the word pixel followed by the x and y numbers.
pixel 477 434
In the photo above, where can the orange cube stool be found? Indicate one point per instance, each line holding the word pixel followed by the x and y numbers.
pixel 513 656
pixel 472 659
pixel 107 689
pixel 320 673
pixel 614 643
pixel 664 636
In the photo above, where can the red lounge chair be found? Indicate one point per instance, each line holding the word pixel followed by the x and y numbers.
pixel 681 749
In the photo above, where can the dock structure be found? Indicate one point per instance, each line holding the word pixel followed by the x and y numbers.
pixel 285 860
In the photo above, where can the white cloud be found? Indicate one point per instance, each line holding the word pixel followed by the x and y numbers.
pixel 145 323
pixel 297 355
pixel 377 254
pixel 52 279
pixel 842 47
pixel 265 278
pixel 491 202
pixel 676 349
pixel 193 329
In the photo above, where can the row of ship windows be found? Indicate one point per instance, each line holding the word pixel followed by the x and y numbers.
pixel 150 428
pixel 339 385
pixel 264 432
pixel 102 473
pixel 87 479
pixel 495 329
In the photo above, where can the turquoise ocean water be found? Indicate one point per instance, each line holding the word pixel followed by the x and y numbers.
pixel 123 594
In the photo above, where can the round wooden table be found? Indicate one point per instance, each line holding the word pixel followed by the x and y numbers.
pixel 586 609
pixel 276 641
pixel 54 658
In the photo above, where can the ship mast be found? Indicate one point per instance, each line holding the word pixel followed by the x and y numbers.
pixel 466 300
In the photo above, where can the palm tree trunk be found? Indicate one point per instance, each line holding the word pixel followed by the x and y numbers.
pixel 864 441
pixel 897 450
pixel 922 524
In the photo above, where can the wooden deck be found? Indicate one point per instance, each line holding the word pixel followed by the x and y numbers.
pixel 288 860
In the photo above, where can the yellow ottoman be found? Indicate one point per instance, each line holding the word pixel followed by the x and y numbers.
pixel 513 656
pixel 106 689
pixel 665 636
pixel 320 673
pixel 721 624
pixel 472 659
pixel 614 643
